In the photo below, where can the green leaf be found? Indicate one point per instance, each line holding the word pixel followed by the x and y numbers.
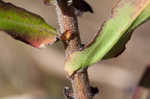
pixel 114 34
pixel 25 26
pixel 120 46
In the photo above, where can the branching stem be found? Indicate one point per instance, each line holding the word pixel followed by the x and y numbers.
pixel 69 30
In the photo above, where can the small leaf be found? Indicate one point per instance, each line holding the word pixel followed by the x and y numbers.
pixel 114 34
pixel 25 26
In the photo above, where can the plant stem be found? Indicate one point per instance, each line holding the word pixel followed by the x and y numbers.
pixel 69 26
pixel 81 86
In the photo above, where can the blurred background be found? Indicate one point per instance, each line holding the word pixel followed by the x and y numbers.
pixel 29 73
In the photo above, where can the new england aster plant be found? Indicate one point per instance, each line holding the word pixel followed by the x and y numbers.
pixel 109 42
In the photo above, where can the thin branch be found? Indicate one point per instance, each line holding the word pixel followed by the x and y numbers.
pixel 81 86
pixel 70 35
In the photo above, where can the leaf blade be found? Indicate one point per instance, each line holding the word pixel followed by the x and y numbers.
pixel 25 26
pixel 121 44
pixel 123 19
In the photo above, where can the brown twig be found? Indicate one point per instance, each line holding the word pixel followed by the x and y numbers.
pixel 70 35
pixel 81 86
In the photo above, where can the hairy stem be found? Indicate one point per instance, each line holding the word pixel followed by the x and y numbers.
pixel 69 26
